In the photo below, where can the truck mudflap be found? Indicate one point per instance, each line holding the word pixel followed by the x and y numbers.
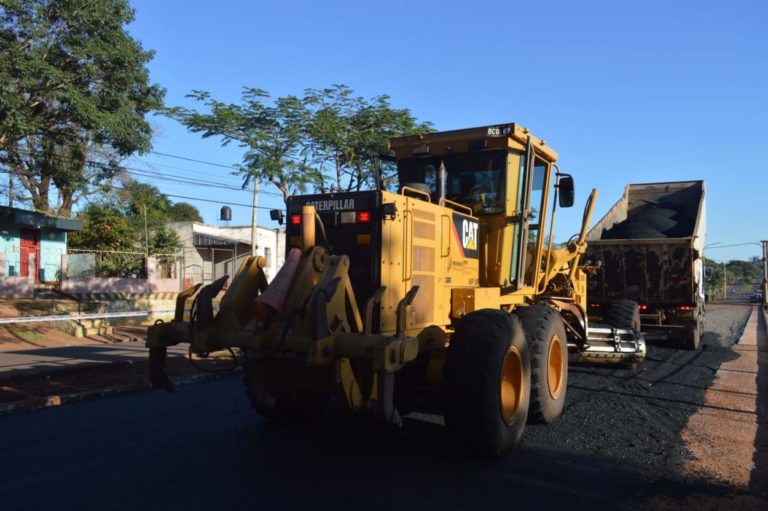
pixel 611 345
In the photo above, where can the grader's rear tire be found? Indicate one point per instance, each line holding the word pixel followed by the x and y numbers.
pixel 545 333
pixel 290 406
pixel 487 378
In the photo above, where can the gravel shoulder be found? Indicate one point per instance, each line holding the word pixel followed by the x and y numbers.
pixel 639 414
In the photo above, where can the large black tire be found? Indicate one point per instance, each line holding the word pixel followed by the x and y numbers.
pixel 622 314
pixel 689 338
pixel 488 378
pixel 289 406
pixel 545 333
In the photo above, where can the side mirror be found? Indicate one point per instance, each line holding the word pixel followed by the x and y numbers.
pixel 276 215
pixel 567 191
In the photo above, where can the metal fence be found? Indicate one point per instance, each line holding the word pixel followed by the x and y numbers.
pixel 165 265
pixel 121 264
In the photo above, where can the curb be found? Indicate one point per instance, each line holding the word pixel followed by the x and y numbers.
pixel 87 395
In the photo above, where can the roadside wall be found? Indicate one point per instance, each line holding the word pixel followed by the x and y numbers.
pixel 15 286
pixel 152 284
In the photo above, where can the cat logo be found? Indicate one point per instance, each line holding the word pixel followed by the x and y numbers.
pixel 469 235
pixel 465 233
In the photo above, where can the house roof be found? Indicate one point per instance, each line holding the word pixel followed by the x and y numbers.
pixel 25 218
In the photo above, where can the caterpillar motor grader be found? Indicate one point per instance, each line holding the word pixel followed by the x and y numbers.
pixel 441 296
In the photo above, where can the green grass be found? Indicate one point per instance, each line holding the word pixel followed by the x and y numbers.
pixel 27 335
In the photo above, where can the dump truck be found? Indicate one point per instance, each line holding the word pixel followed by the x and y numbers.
pixel 438 296
pixel 650 246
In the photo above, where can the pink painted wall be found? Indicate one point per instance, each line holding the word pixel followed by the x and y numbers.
pixel 17 287
pixel 152 284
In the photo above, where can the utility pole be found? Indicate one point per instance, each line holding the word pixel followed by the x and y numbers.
pixel 765 272
pixel 10 186
pixel 146 232
pixel 725 283
pixel 254 215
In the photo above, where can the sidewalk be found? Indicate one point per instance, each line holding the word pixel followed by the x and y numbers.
pixel 728 437
pixel 33 378
pixel 30 361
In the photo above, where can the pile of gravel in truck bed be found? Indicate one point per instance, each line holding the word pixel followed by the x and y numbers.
pixel 651 221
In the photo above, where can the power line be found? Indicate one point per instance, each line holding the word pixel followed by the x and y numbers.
pixel 714 246
pixel 192 198
pixel 205 200
pixel 195 160
pixel 172 177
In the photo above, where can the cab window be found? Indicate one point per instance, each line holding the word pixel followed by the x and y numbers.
pixel 475 179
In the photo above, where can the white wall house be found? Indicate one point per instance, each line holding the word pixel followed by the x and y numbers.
pixel 211 251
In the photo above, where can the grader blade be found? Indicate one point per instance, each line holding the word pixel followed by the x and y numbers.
pixel 612 345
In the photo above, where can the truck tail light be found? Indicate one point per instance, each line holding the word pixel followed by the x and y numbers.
pixel 643 307
pixel 363 217
pixel 295 219
pixel 685 308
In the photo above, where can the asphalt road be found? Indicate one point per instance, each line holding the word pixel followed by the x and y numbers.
pixel 616 446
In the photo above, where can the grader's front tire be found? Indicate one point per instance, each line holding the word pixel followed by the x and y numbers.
pixel 545 333
pixel 487 378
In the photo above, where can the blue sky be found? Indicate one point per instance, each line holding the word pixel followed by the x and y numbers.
pixel 626 92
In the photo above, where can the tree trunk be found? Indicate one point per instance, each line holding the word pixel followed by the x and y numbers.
pixel 67 201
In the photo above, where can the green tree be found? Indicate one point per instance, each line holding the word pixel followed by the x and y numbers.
pixel 104 228
pixel 184 212
pixel 123 220
pixel 272 132
pixel 74 92
pixel 148 212
pixel 325 140
pixel 347 131
pixel 107 231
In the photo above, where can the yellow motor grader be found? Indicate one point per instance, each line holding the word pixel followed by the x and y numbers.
pixel 441 295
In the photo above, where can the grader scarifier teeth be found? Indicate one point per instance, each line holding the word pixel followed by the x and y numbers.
pixel 157 377
pixel 161 335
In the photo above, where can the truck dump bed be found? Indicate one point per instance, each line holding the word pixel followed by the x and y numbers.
pixel 651 245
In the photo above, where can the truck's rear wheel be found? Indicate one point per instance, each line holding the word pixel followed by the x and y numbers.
pixel 622 314
pixel 545 333
pixel 488 378
pixel 279 403
pixel 688 338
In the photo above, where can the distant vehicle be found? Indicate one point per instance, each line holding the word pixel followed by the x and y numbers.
pixel 756 297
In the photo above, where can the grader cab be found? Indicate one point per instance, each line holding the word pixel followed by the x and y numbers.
pixel 441 294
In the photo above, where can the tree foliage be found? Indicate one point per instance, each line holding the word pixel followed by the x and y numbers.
pixel 326 140
pixel 731 273
pixel 346 131
pixel 121 222
pixel 148 213
pixel 184 212
pixel 74 91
